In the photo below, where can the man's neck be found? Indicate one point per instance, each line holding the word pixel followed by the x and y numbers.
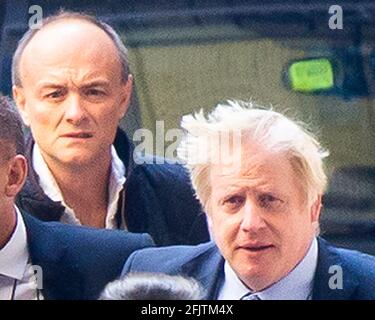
pixel 7 225
pixel 85 188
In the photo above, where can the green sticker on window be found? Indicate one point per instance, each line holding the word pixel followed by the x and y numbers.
pixel 311 75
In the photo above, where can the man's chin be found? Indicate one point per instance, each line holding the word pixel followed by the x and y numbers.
pixel 78 154
pixel 255 269
pixel 78 160
pixel 256 279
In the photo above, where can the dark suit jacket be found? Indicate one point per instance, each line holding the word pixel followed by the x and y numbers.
pixel 159 199
pixel 78 262
pixel 205 263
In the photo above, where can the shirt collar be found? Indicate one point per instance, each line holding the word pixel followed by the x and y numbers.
pixel 14 256
pixel 50 187
pixel 296 285
pixel 46 180
pixel 116 184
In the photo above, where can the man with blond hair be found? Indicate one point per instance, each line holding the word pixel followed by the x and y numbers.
pixel 261 184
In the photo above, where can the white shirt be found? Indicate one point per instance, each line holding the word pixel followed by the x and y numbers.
pixel 296 285
pixel 16 273
pixel 50 187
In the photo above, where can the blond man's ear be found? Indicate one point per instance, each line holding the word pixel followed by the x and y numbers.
pixel 315 211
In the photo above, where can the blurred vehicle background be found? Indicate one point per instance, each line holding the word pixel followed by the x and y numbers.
pixel 190 54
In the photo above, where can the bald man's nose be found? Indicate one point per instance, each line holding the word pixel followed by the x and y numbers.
pixel 75 112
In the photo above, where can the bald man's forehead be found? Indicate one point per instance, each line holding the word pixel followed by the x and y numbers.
pixel 70 25
pixel 68 45
pixel 70 39
pixel 73 31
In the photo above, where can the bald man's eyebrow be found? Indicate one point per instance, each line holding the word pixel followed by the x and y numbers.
pixel 96 83
pixel 55 85
pixel 50 85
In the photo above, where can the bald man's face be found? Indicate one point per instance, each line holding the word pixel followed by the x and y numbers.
pixel 72 95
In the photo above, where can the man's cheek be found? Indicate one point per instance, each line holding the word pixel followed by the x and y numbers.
pixel 40 119
pixel 35 114
pixel 109 117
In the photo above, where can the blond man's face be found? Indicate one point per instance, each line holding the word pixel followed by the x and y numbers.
pixel 259 217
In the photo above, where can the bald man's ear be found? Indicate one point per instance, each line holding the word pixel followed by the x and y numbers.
pixel 19 98
pixel 127 89
pixel 17 172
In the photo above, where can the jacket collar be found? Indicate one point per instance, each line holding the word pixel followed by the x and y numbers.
pixel 330 266
pixel 210 271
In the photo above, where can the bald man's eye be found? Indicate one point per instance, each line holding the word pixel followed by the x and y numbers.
pixel 55 95
pixel 95 93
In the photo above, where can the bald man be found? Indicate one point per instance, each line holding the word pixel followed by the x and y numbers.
pixel 69 262
pixel 72 86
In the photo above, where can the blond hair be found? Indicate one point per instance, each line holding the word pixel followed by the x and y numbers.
pixel 268 128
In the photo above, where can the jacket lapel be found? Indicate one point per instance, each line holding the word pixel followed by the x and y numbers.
pixel 208 269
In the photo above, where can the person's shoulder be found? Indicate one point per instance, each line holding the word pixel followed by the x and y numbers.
pixel 162 258
pixel 103 238
pixel 160 169
pixel 184 251
pixel 80 236
pixel 161 192
pixel 76 254
pixel 357 268
pixel 360 263
pixel 356 261
pixel 163 176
